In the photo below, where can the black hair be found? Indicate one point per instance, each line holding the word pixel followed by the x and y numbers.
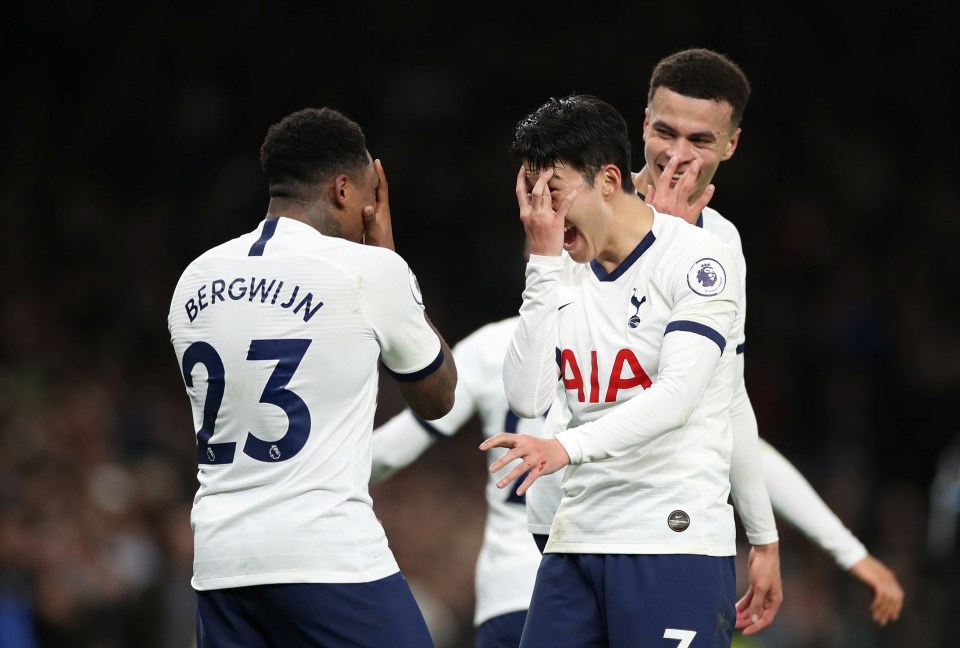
pixel 703 74
pixel 583 132
pixel 308 147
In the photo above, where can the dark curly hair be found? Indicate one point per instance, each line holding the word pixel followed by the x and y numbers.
pixel 703 74
pixel 308 147
pixel 581 131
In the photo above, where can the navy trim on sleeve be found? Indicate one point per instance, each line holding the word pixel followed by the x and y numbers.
pixel 269 228
pixel 417 375
pixel 558 357
pixel 432 431
pixel 699 329
pixel 740 347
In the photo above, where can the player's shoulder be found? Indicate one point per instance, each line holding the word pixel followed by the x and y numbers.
pixel 687 248
pixel 489 339
pixel 721 227
pixel 680 236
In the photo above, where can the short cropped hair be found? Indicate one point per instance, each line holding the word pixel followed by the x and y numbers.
pixel 583 132
pixel 307 148
pixel 703 74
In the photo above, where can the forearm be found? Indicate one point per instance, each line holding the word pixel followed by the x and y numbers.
pixel 688 362
pixel 798 503
pixel 749 492
pixel 530 367
pixel 397 443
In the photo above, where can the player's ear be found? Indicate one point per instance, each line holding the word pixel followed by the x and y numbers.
pixel 612 180
pixel 340 189
pixel 646 122
pixel 731 145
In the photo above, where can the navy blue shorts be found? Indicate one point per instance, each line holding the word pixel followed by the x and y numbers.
pixel 625 601
pixel 501 631
pixel 293 615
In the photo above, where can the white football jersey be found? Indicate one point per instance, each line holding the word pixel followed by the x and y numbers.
pixel 651 480
pixel 279 333
pixel 712 221
pixel 543 498
pixel 508 561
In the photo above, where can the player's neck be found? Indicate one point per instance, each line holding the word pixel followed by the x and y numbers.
pixel 313 214
pixel 632 220
pixel 643 180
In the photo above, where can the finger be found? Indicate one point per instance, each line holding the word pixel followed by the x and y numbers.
pixel 651 192
pixel 504 459
pixel 704 199
pixel 756 608
pixel 383 189
pixel 513 476
pixel 540 188
pixel 523 188
pixel 742 608
pixel 671 168
pixel 688 178
pixel 501 440
pixel 759 624
pixel 884 610
pixel 532 475
pixel 566 203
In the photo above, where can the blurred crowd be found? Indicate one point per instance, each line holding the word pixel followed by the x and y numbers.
pixel 128 144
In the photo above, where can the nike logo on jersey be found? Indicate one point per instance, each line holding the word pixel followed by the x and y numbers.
pixel 564 306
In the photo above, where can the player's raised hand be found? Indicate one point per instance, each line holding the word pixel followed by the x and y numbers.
pixel 758 607
pixel 675 199
pixel 887 592
pixel 377 225
pixel 537 456
pixel 543 224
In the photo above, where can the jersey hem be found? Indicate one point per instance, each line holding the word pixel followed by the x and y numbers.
pixel 720 549
pixel 279 578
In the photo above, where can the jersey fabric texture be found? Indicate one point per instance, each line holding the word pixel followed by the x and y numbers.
pixel 279 333
pixel 646 357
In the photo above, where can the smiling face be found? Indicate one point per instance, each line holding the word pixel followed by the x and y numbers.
pixel 690 129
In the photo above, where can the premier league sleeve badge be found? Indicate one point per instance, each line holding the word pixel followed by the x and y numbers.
pixel 707 277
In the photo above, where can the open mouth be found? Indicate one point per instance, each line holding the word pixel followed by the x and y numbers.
pixel 674 178
pixel 570 234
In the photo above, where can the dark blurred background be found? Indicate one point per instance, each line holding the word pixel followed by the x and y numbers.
pixel 129 144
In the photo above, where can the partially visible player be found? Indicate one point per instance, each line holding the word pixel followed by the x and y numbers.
pixel 279 334
pixel 796 501
pixel 695 104
pixel 635 313
pixel 508 560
